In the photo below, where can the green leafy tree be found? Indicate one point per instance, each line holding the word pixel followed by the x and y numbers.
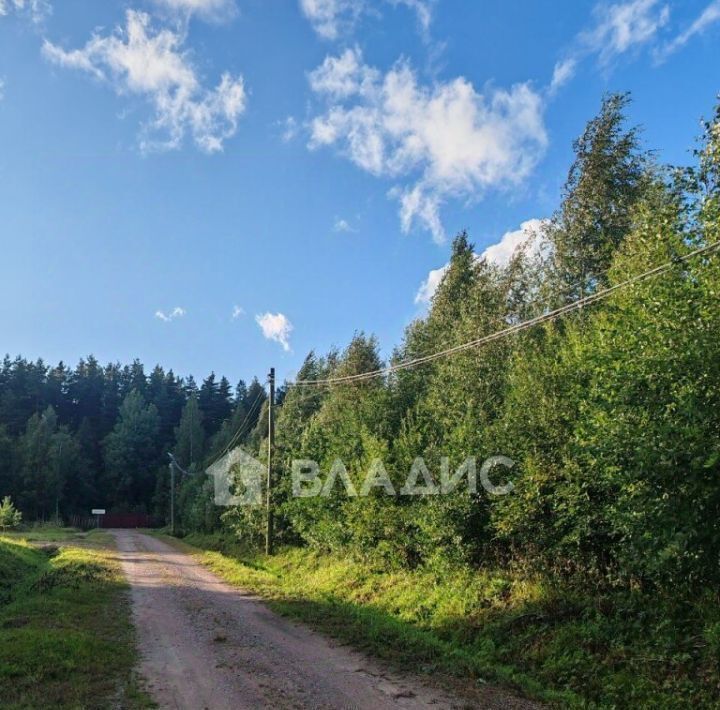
pixel 351 425
pixel 605 181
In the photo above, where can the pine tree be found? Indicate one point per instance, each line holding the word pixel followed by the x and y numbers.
pixel 10 517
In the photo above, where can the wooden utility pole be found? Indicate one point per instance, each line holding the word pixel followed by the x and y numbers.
pixel 271 443
pixel 174 465
pixel 172 497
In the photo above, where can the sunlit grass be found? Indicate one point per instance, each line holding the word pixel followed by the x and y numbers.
pixel 47 533
pixel 66 639
pixel 556 644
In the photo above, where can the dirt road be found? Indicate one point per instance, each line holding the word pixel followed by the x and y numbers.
pixel 206 644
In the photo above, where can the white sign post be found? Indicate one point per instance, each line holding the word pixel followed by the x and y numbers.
pixel 97 512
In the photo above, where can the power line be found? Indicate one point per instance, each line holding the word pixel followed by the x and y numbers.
pixel 269 512
pixel 241 429
pixel 511 330
pixel 239 432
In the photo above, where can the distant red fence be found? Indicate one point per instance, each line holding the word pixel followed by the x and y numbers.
pixel 114 520
pixel 126 520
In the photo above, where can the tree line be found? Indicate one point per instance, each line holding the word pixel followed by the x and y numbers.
pixel 98 436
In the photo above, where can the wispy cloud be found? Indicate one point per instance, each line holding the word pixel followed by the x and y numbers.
pixel 237 312
pixel 423 10
pixel 332 19
pixel 441 141
pixel 213 10
pixel 139 59
pixel 35 10
pixel 175 313
pixel 342 225
pixel 624 26
pixel 709 16
pixel 619 28
pixel 563 72
pixel 2 89
pixel 277 327
pixel 289 129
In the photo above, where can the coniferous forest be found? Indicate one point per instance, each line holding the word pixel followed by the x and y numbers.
pixel 98 436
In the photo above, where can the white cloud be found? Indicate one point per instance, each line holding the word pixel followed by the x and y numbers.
pixel 35 10
pixel 332 18
pixel 563 72
pixel 329 17
pixel 140 60
pixel 176 312
pixel 624 26
pixel 709 16
pixel 2 89
pixel 275 326
pixel 344 76
pixel 207 9
pixel 529 236
pixel 444 140
pixel 237 312
pixel 619 28
pixel 430 285
pixel 342 225
pixel 418 203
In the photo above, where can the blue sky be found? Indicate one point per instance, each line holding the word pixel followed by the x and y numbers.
pixel 227 184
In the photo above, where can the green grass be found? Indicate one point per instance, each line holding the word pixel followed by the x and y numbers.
pixel 567 648
pixel 66 639
pixel 55 534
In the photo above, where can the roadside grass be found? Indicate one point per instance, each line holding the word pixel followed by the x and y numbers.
pixel 561 646
pixel 66 638
pixel 46 533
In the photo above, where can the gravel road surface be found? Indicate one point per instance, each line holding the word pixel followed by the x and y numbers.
pixel 206 644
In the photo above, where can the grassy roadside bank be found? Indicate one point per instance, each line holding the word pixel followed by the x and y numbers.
pixel 66 639
pixel 567 649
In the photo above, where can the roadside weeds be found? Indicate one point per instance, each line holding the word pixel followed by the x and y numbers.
pixel 66 636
